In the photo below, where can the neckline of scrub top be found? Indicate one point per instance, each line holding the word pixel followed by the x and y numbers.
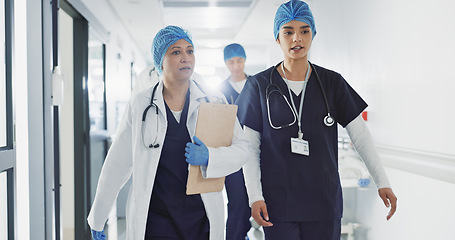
pixel 299 114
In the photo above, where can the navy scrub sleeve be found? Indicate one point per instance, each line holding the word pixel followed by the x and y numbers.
pixel 298 187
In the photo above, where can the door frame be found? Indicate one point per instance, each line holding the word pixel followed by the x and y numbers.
pixel 8 152
pixel 81 122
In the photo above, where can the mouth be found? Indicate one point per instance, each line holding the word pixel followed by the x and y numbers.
pixel 296 48
pixel 185 68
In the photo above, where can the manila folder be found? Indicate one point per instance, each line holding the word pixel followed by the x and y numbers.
pixel 215 128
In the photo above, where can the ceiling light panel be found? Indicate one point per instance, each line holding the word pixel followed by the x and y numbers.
pixel 207 3
pixel 207 19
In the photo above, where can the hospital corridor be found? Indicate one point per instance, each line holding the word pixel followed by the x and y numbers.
pixel 227 120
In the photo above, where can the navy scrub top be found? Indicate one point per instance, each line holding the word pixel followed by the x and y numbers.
pixel 298 187
pixel 228 91
pixel 172 213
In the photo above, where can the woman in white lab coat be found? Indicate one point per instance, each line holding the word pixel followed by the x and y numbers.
pixel 150 148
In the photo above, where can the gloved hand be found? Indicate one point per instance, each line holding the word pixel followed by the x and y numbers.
pixel 197 153
pixel 98 235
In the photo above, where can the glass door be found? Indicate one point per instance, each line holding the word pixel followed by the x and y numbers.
pixel 99 138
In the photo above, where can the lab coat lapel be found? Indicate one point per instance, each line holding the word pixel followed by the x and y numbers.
pixel 196 97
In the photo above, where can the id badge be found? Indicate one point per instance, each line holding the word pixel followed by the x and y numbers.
pixel 300 146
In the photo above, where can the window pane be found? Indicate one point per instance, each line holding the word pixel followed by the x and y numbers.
pixel 3 207
pixel 96 84
pixel 2 77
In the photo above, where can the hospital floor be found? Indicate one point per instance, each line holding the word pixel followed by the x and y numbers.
pixel 253 234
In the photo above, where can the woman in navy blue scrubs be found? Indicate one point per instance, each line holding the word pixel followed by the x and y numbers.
pixel 154 144
pixel 293 182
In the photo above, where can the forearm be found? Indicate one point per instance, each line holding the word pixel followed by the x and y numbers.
pixel 252 169
pixel 365 147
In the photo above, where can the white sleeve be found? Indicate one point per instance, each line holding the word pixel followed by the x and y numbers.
pixel 226 160
pixel 364 145
pixel 116 171
pixel 252 169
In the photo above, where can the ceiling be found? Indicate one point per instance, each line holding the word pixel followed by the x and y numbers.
pixel 212 23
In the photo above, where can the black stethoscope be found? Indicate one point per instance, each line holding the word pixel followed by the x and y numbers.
pixel 152 104
pixel 144 115
pixel 328 120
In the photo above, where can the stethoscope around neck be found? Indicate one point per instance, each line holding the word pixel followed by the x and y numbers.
pixel 144 115
pixel 154 144
pixel 328 120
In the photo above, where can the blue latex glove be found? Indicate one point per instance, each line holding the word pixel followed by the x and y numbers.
pixel 197 153
pixel 98 235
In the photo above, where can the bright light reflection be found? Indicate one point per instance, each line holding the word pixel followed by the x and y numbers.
pixel 213 19
pixel 212 81
pixel 205 70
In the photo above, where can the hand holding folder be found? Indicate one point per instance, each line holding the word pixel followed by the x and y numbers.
pixel 215 128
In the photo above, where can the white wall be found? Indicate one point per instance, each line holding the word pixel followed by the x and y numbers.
pixel 2 81
pixel 425 209
pixel 398 56
pixel 3 209
pixel 22 116
pixel 67 125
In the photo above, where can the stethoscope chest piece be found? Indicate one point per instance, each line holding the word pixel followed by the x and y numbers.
pixel 328 120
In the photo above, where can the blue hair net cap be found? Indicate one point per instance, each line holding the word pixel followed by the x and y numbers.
pixel 163 40
pixel 234 50
pixel 293 10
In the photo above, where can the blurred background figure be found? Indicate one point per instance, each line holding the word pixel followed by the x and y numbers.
pixel 238 222
pixel 234 58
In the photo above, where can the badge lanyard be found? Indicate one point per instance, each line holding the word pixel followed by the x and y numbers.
pixel 298 145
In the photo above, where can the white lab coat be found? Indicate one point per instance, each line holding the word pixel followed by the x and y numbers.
pixel 129 157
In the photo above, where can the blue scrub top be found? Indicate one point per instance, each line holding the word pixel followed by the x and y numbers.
pixel 228 91
pixel 172 213
pixel 298 187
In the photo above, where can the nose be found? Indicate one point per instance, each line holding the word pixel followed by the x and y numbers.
pixel 185 57
pixel 297 38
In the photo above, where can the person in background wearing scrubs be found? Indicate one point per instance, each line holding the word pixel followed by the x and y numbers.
pixel 154 144
pixel 234 58
pixel 293 182
pixel 238 222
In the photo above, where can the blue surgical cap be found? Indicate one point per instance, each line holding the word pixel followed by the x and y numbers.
pixel 234 50
pixel 293 10
pixel 163 40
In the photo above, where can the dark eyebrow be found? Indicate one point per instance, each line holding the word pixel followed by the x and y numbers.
pixel 189 46
pixel 289 27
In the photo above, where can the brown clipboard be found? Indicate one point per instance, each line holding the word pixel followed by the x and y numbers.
pixel 215 128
